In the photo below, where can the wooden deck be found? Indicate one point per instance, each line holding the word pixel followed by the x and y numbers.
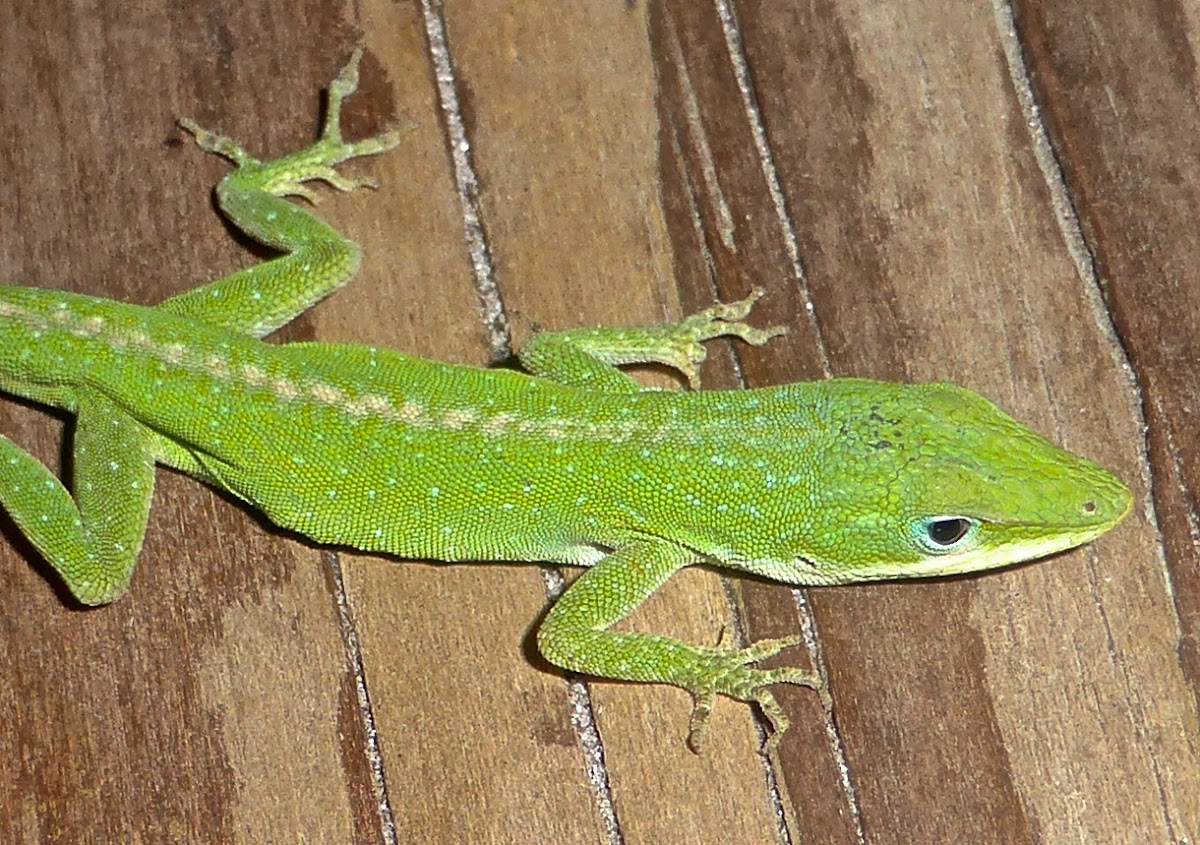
pixel 1003 196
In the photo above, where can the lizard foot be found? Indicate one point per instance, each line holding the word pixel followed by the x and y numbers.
pixel 721 320
pixel 729 674
pixel 286 176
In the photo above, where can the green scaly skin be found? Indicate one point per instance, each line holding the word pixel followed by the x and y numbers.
pixel 821 483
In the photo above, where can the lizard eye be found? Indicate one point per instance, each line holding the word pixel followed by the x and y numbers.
pixel 942 534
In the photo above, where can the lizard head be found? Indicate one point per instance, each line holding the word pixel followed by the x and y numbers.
pixel 928 480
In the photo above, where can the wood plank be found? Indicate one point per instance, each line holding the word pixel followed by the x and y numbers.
pixel 714 172
pixel 476 743
pixel 1118 95
pixel 564 132
pixel 933 251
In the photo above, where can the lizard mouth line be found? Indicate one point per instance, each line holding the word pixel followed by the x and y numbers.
pixel 978 559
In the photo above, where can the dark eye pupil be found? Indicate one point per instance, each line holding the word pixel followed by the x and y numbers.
pixel 947 532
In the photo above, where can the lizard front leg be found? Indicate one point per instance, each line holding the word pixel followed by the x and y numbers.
pixel 590 357
pixel 575 636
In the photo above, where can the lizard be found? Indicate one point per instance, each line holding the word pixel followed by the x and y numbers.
pixel 572 461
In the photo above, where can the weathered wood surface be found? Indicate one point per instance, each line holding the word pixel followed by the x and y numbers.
pixel 1004 197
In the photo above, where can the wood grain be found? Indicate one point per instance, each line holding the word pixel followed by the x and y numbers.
pixel 879 168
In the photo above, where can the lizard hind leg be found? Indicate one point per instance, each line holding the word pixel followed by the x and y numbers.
pixel 318 260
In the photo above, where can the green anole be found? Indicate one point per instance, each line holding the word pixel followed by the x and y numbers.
pixel 829 482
